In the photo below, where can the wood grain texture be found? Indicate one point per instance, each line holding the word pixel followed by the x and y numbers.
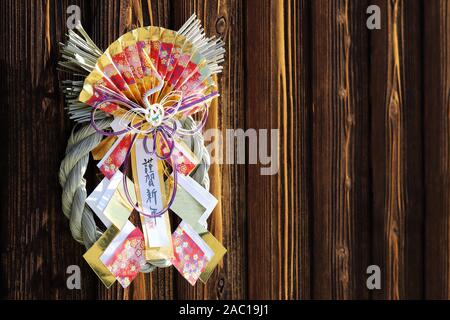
pixel 278 206
pixel 437 147
pixel 397 150
pixel 36 243
pixel 363 123
pixel 340 149
pixel 300 139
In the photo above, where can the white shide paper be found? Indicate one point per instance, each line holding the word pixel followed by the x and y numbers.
pixel 150 185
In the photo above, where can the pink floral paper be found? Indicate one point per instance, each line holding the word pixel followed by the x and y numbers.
pixel 115 159
pixel 189 259
pixel 128 259
pixel 185 163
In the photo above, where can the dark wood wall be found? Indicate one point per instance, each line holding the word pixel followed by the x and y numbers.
pixel 364 125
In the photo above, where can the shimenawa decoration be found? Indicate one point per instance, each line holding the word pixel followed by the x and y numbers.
pixel 140 107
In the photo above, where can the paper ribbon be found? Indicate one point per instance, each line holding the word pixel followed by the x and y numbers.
pixel 153 121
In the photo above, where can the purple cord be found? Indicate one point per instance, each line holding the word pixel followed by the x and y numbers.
pixel 164 130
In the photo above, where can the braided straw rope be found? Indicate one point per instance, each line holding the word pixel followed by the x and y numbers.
pixel 71 178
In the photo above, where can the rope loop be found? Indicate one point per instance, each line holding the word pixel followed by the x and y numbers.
pixel 73 168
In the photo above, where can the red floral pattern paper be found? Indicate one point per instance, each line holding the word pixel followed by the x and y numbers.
pixel 165 53
pixel 186 162
pixel 187 73
pixel 189 259
pixel 124 68
pixel 142 46
pixel 154 51
pixel 184 165
pixel 173 61
pixel 134 61
pixel 128 258
pixel 111 72
pixel 179 68
pixel 132 56
pixel 113 160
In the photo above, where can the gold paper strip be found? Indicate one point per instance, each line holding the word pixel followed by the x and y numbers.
pixel 92 256
pixel 102 148
pixel 219 251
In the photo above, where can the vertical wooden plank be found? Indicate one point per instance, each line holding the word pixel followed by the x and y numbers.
pixel 300 140
pixel 340 149
pixel 437 147
pixel 397 150
pixel 36 243
pixel 3 164
pixel 223 19
pixel 279 206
